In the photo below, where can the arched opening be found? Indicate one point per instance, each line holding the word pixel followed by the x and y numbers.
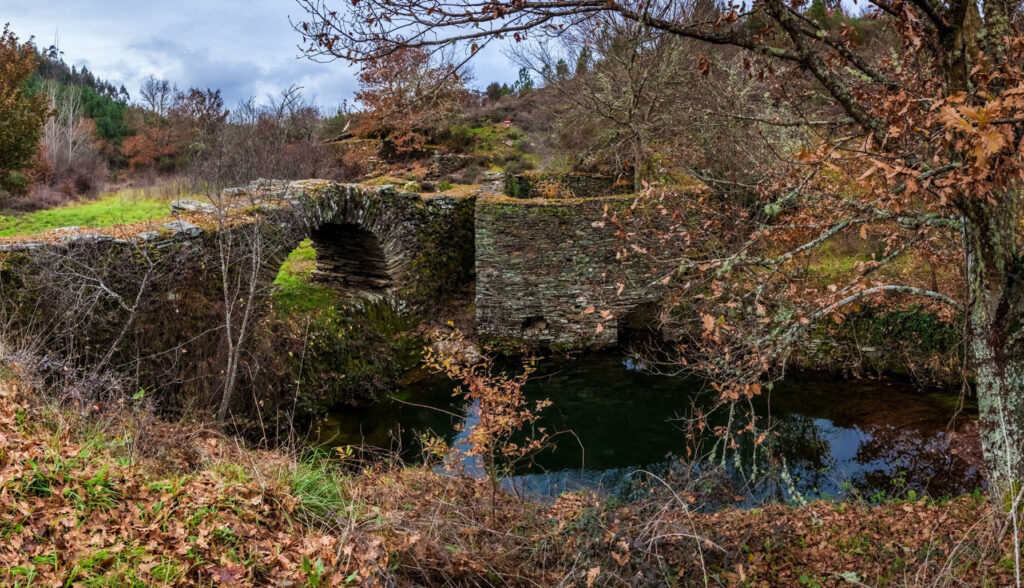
pixel 641 325
pixel 351 258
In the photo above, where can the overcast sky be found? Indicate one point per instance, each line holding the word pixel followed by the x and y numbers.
pixel 244 47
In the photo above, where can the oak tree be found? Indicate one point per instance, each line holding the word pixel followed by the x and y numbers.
pixel 928 129
pixel 409 95
pixel 22 115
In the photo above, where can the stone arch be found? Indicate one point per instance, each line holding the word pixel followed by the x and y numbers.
pixel 392 229
pixel 365 238
pixel 351 258
pixel 641 321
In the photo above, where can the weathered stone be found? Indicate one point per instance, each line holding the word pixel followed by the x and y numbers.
pixel 186 205
pixel 442 164
pixel 85 239
pixel 493 183
pixel 183 228
pixel 548 271
pixel 22 246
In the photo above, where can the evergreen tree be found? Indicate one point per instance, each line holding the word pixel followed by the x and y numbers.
pixel 562 70
pixel 494 92
pixel 525 82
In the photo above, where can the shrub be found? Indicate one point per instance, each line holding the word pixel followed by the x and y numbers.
pixel 517 164
pixel 15 183
pixel 369 343
pixel 469 175
pixel 459 138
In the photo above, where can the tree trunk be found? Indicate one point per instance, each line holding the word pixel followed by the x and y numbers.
pixel 1000 388
pixel 995 350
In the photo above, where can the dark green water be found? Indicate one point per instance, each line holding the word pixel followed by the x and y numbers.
pixel 832 437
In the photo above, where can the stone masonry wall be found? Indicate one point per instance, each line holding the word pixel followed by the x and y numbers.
pixel 548 271
pixel 72 290
pixel 560 185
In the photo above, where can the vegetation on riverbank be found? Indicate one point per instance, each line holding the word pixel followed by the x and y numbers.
pixel 861 216
pixel 113 496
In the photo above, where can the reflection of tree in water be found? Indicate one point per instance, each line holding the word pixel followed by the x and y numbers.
pixel 793 443
pixel 920 457
pixel 864 452
pixel 799 446
pixel 826 432
pixel 798 438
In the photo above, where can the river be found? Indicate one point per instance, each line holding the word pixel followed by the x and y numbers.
pixel 615 425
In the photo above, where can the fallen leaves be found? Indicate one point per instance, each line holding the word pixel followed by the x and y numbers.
pixel 215 526
pixel 73 513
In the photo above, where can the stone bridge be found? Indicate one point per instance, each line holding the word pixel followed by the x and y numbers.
pixel 545 270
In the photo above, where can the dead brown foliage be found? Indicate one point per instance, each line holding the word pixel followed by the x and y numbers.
pixel 74 510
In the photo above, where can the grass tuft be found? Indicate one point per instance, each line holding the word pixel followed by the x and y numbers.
pixel 318 485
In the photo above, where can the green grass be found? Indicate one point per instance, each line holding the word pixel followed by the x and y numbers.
pixel 113 209
pixel 497 146
pixel 834 267
pixel 294 292
pixel 493 136
pixel 319 487
pixel 495 139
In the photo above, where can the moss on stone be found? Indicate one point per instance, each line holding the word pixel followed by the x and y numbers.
pixel 335 350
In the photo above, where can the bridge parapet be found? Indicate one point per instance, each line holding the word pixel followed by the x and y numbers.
pixel 555 271
pixel 405 224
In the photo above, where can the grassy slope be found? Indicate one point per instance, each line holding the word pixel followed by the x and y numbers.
pixel 293 290
pixel 123 207
pixel 498 145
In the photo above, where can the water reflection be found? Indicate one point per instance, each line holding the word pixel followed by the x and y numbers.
pixel 832 437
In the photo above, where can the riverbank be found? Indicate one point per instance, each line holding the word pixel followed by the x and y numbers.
pixel 114 496
pixel 610 417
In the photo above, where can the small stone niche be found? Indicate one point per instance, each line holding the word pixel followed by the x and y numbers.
pixel 535 327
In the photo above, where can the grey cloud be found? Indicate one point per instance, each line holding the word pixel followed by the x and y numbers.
pixel 245 48
pixel 197 68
